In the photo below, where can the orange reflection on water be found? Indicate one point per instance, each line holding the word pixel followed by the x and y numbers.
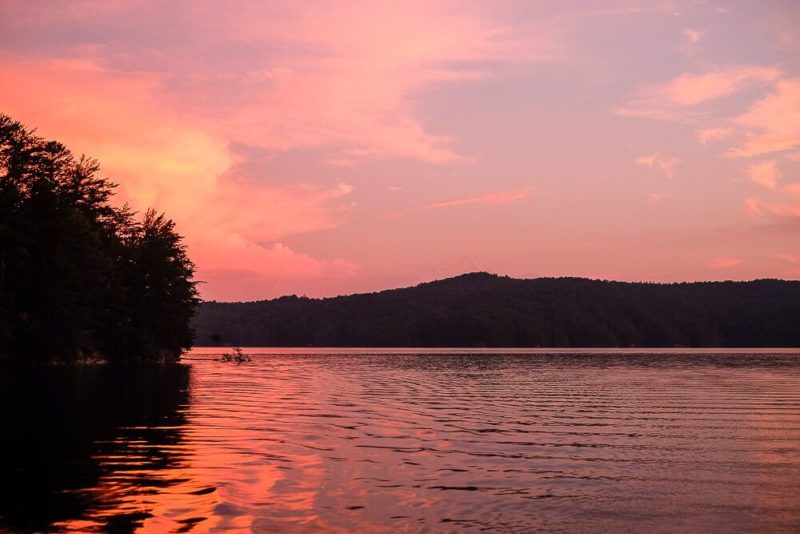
pixel 342 443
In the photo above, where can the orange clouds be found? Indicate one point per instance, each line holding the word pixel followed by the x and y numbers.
pixel 770 124
pixel 280 134
pixel 773 123
pixel 755 207
pixel 166 159
pixel 677 99
pixel 765 173
pixel 692 89
pixel 347 75
pixel 342 82
pixel 343 76
pixel 707 135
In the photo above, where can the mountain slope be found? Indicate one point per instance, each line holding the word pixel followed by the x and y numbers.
pixel 481 309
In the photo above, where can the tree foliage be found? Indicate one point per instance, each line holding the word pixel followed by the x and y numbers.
pixel 79 277
pixel 480 309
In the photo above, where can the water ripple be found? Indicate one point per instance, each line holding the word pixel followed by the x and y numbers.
pixel 407 442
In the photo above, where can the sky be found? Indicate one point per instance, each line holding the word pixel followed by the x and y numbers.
pixel 330 147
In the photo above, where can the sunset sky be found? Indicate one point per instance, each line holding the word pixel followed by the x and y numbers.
pixel 329 147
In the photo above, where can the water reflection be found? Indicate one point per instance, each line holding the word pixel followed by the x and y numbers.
pixel 84 447
pixel 408 442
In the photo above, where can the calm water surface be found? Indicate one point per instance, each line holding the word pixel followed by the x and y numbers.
pixel 412 441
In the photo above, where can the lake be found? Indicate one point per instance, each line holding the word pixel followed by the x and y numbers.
pixel 411 440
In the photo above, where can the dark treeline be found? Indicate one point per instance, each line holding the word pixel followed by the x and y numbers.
pixel 480 309
pixel 80 278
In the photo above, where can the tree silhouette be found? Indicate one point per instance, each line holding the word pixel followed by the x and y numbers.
pixel 79 277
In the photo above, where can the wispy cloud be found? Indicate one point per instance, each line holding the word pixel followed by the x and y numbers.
pixel 491 198
pixel 677 99
pixel 661 163
pixel 788 258
pixel 706 135
pixel 691 39
pixel 765 173
pixel 692 36
pixel 773 123
pixel 756 207
pixel 498 198
pixel 723 263
pixel 692 89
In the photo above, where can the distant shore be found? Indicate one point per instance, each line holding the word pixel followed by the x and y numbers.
pixel 485 310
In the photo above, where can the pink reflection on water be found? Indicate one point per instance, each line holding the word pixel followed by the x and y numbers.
pixel 396 443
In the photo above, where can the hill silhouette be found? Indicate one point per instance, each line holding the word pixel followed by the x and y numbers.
pixel 481 309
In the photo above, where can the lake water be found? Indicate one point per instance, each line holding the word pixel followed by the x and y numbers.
pixel 433 441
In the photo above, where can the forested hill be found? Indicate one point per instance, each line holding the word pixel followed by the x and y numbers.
pixel 480 309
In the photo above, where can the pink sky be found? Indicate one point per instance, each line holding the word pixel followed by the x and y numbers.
pixel 329 147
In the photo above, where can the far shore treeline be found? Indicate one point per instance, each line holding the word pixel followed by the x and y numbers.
pixel 481 309
pixel 81 279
